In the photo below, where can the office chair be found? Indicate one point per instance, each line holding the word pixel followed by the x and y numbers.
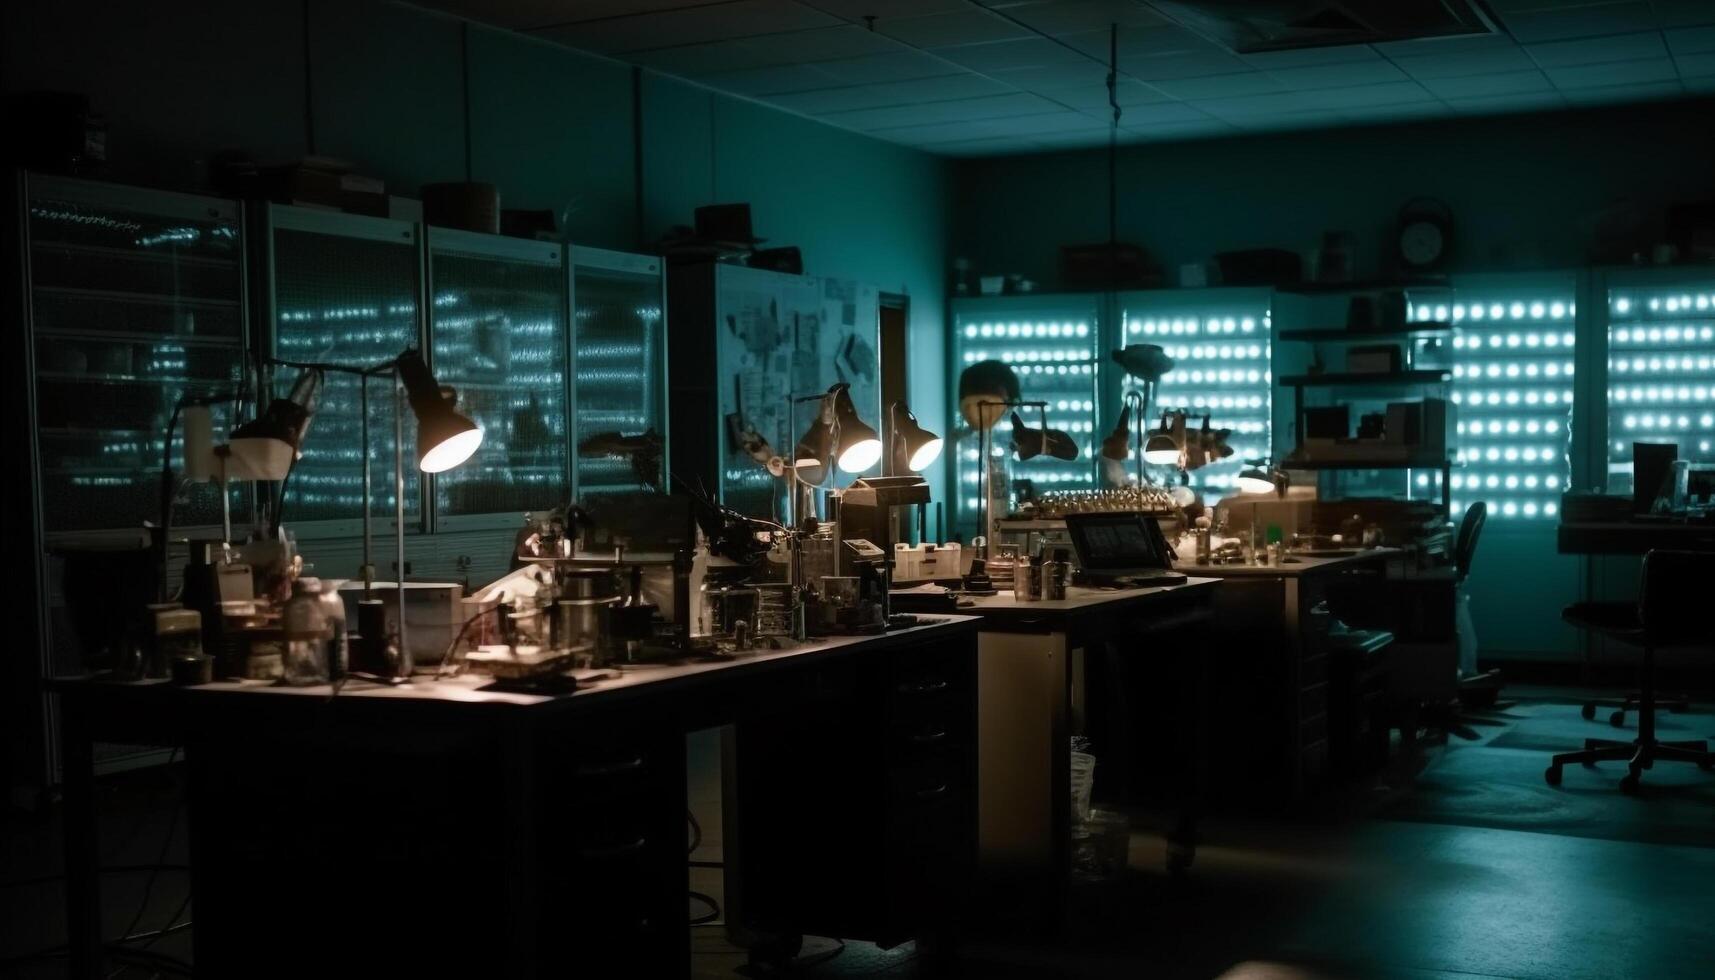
pixel 1477 690
pixel 1670 611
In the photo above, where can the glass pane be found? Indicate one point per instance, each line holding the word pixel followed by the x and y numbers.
pixel 1513 352
pixel 1221 347
pixel 500 339
pixel 350 301
pixel 1661 373
pixel 134 306
pixel 1052 351
pixel 617 337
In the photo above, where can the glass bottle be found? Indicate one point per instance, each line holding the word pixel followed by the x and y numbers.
pixel 305 627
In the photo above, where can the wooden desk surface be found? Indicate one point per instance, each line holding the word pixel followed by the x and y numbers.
pixel 1302 565
pixel 466 689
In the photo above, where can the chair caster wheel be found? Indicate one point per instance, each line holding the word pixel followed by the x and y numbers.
pixel 1617 719
pixel 1552 774
pixel 1629 784
pixel 1589 712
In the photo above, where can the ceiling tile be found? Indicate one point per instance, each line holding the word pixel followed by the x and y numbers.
pixel 772 80
pixel 1684 13
pixel 1129 93
pixel 1531 27
pixel 1691 40
pixel 1141 42
pixel 966 26
pixel 984 148
pixel 823 44
pixel 1617 73
pixel 943 132
pixel 1050 122
pixel 1395 113
pixel 529 14
pixel 895 67
pixel 1304 57
pixel 1069 16
pixel 1476 86
pixel 1595 50
pixel 828 100
pixel 697 60
pixel 1057 78
pixel 690 25
pixel 1615 94
pixel 1386 93
pixel 988 107
pixel 1462 44
pixel 945 89
pixel 1181 65
pixel 1455 64
pixel 1338 76
pixel 1256 105
pixel 1219 86
pixel 856 10
pixel 1696 64
pixel 1035 52
pixel 1522 102
pixel 1150 116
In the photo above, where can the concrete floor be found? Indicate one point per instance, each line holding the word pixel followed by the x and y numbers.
pixel 1622 887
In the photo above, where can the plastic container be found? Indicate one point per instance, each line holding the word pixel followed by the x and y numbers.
pixel 305 627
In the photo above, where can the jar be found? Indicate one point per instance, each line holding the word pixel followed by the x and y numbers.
pixel 333 610
pixel 178 636
pixel 305 628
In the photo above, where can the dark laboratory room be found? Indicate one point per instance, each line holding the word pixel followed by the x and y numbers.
pixel 911 489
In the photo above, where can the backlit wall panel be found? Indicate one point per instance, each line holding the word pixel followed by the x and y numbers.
pixel 1661 373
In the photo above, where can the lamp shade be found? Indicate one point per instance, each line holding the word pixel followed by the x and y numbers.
pixel 856 446
pixel 914 447
pixel 445 438
pixel 1161 450
pixel 1254 480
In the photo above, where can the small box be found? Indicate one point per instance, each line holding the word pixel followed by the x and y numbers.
pixel 1373 359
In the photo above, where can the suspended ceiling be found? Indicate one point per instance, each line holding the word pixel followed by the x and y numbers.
pixel 969 78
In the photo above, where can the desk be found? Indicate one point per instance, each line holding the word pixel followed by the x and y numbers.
pixel 1264 615
pixel 439 829
pixel 1633 537
pixel 1030 700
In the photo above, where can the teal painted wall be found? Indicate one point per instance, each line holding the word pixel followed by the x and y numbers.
pixel 552 128
pixel 1527 193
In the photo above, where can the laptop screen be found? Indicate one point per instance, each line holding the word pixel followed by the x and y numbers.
pixel 1117 541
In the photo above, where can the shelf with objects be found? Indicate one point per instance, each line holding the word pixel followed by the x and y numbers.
pixel 1660 332
pixel 1026 370
pixel 619 373
pixel 497 317
pixel 1393 357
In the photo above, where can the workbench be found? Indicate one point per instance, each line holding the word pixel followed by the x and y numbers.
pixel 1033 660
pixel 1634 537
pixel 440 829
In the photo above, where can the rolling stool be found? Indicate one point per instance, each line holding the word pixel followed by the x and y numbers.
pixel 1670 611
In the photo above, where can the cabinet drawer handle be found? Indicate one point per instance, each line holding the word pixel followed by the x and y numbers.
pixel 929 738
pixel 615 851
pixel 587 770
pixel 932 793
pixel 924 687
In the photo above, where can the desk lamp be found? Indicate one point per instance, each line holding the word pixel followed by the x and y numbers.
pixel 914 447
pixel 445 438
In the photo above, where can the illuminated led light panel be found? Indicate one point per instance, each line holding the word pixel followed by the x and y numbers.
pixel 1513 365
pixel 1661 373
pixel 1222 355
pixel 1055 358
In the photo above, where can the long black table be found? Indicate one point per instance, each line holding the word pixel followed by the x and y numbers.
pixel 438 828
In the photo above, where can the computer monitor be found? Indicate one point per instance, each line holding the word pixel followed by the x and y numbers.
pixel 1117 542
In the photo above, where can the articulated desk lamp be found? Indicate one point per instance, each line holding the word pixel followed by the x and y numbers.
pixel 445 438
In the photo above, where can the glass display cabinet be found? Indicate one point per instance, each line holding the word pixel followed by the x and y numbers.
pixel 1052 345
pixel 497 316
pixel 1221 341
pixel 619 368
pixel 1661 367
pixel 344 289
pixel 136 299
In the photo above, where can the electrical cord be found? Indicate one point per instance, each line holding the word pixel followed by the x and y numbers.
pixel 458 638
